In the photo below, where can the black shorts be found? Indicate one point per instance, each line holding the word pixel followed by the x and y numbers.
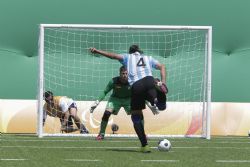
pixel 143 89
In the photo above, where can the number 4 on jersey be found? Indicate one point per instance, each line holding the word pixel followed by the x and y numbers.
pixel 141 62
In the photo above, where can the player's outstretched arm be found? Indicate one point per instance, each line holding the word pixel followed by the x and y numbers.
pixel 106 54
pixel 108 88
pixel 94 105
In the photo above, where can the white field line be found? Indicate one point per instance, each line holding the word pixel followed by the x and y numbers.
pixel 225 139
pixel 233 161
pixel 87 147
pixel 109 141
pixel 38 147
pixel 123 141
pixel 10 136
pixel 230 137
pixel 83 160
pixel 160 160
pixel 237 148
pixel 13 159
pixel 66 137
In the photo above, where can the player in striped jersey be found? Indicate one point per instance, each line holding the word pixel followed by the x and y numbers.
pixel 65 109
pixel 142 83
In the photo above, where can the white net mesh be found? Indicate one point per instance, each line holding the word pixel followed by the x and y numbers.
pixel 71 70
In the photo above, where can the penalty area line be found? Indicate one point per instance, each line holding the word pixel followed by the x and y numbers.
pixel 233 161
pixel 83 160
pixel 2 159
pixel 161 160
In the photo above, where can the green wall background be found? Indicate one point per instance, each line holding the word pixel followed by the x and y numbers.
pixel 20 21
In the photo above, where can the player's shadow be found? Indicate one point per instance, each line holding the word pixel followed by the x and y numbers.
pixel 122 150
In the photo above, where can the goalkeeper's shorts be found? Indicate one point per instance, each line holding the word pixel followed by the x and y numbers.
pixel 115 104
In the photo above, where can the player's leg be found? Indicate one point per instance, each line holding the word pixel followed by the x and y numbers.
pixel 69 122
pixel 110 108
pixel 126 105
pixel 64 117
pixel 104 123
pixel 69 128
pixel 157 94
pixel 137 105
pixel 161 100
pixel 73 114
pixel 69 125
pixel 66 124
pixel 151 97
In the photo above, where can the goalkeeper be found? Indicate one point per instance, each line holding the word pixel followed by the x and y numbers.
pixel 120 97
pixel 65 109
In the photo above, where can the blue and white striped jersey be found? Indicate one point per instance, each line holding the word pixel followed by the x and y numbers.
pixel 138 66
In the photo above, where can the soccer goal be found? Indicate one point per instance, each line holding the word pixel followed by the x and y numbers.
pixel 67 68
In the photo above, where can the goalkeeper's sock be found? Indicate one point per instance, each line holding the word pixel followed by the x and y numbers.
pixel 104 122
pixel 103 127
pixel 139 128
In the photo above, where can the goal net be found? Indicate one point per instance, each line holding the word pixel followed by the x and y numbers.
pixel 67 68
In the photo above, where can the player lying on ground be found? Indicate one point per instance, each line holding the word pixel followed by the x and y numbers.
pixel 65 109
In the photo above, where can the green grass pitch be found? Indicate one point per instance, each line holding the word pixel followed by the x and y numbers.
pixel 31 151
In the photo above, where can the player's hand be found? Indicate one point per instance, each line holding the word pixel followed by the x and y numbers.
pixel 162 87
pixel 93 50
pixel 93 106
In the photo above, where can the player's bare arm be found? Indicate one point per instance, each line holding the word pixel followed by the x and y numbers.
pixel 106 54
pixel 162 69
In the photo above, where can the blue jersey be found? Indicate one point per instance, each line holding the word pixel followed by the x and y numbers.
pixel 138 66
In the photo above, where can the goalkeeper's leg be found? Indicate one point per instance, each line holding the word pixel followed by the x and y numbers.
pixel 105 119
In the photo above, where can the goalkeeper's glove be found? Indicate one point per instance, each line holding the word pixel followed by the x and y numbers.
pixel 93 106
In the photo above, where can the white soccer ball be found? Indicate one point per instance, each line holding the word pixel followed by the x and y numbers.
pixel 164 145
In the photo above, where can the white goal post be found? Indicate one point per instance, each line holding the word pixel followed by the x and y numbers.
pixel 67 68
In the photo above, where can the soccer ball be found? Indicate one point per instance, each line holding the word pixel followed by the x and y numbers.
pixel 114 127
pixel 164 145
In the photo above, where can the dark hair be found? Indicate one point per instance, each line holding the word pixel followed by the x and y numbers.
pixel 134 48
pixel 47 94
pixel 123 68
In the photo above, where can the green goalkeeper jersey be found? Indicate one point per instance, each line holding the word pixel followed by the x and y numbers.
pixel 120 90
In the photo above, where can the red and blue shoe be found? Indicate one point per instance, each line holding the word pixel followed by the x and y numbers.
pixel 99 137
